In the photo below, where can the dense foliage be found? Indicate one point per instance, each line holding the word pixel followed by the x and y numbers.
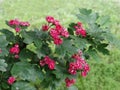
pixel 47 57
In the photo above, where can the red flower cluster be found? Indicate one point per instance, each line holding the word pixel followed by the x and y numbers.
pixel 17 25
pixel 57 31
pixel 79 64
pixel 15 50
pixel 69 82
pixel 48 61
pixel 80 30
pixel 11 80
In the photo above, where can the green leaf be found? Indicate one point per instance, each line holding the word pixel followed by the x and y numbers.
pixel 102 48
pixel 9 35
pixel 26 55
pixel 4 51
pixel 68 47
pixel 38 43
pixel 3 41
pixel 29 36
pixel 23 86
pixel 71 28
pixel 93 54
pixel 26 71
pixel 80 43
pixel 5 85
pixel 103 20
pixel 3 65
pixel 85 11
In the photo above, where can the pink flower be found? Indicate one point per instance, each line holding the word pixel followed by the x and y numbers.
pixel 14 50
pixel 69 82
pixel 58 41
pixel 79 24
pixel 83 32
pixel 72 71
pixel 49 19
pixel 14 22
pixel 56 22
pixel 24 24
pixel 45 27
pixel 48 61
pixel 65 33
pixel 72 68
pixel 86 68
pixel 80 30
pixel 11 80
pixel 54 33
pixel 83 73
pixel 51 64
pixel 42 63
pixel 16 56
pixel 17 29
pixel 58 28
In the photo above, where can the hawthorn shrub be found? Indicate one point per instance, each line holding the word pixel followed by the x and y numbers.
pixel 45 58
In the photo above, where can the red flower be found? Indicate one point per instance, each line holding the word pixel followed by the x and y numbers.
pixel 15 49
pixel 80 30
pixel 56 22
pixel 14 22
pixel 58 28
pixel 54 33
pixel 83 73
pixel 49 19
pixel 72 68
pixel 42 63
pixel 11 80
pixel 17 29
pixel 48 61
pixel 16 56
pixel 45 27
pixel 69 82
pixel 58 41
pixel 24 24
pixel 65 33
pixel 51 64
pixel 79 24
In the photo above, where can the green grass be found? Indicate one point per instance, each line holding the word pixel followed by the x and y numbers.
pixel 105 74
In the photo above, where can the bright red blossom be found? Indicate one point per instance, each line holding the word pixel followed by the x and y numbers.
pixel 16 56
pixel 17 25
pixel 15 49
pixel 49 19
pixel 14 22
pixel 24 24
pixel 65 33
pixel 58 41
pixel 45 27
pixel 48 61
pixel 69 82
pixel 17 29
pixel 57 30
pixel 11 80
pixel 80 30
pixel 79 64
pixel 56 22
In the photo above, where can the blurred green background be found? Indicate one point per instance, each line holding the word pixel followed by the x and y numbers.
pixel 104 74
